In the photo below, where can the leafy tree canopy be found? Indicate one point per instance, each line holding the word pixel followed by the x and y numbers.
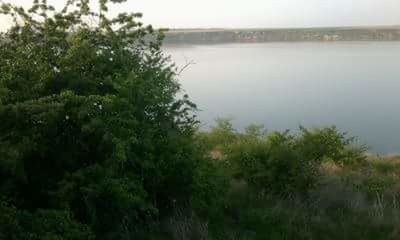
pixel 91 131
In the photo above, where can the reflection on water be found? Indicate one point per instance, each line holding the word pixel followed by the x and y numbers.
pixel 353 85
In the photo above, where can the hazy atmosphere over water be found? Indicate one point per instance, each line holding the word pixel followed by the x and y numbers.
pixel 353 85
pixel 258 13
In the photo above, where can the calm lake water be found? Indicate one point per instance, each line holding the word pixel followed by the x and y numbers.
pixel 353 85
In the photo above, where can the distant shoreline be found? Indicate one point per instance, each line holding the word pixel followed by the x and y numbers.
pixel 334 34
pixel 277 28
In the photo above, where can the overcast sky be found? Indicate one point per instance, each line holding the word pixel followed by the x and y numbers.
pixel 258 13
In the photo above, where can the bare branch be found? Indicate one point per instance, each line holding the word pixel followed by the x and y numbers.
pixel 187 64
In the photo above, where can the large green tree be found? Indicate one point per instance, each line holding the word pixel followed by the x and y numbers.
pixel 91 130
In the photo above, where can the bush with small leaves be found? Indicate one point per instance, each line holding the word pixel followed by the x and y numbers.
pixel 90 119
pixel 288 164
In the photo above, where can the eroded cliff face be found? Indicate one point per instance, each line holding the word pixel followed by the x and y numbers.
pixel 279 35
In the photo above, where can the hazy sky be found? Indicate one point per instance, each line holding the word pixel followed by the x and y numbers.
pixel 259 13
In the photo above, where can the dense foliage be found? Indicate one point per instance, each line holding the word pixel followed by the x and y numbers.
pixel 308 184
pixel 92 135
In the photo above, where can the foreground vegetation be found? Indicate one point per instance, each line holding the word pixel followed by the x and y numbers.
pixel 95 144
pixel 313 184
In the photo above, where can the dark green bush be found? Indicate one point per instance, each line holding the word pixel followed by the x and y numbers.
pixel 40 225
pixel 285 163
pixel 91 123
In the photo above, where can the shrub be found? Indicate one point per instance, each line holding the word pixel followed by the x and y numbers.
pixel 285 163
pixel 220 137
pixel 40 225
pixel 90 120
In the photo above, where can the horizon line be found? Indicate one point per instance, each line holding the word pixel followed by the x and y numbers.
pixel 277 28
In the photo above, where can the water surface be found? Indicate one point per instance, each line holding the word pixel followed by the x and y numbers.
pixel 353 85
